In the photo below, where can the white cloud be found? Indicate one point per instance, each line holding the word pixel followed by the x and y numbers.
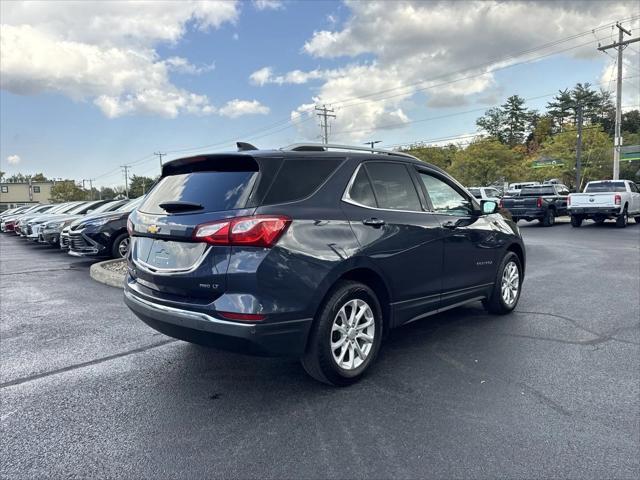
pixel 413 46
pixel 630 83
pixel 105 52
pixel 268 4
pixel 13 159
pixel 236 108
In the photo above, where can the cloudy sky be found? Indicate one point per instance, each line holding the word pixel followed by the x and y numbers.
pixel 86 87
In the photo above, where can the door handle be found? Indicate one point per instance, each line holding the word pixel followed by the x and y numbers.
pixel 374 222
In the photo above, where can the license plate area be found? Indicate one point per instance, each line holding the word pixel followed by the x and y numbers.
pixel 167 255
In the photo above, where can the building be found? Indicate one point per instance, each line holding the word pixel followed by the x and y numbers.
pixel 16 194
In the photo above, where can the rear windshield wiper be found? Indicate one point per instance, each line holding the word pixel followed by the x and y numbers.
pixel 179 206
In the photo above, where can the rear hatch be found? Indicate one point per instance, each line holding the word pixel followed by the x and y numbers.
pixel 592 200
pixel 528 199
pixel 167 259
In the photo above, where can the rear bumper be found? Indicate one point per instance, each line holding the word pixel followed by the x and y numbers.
pixel 607 211
pixel 527 212
pixel 286 338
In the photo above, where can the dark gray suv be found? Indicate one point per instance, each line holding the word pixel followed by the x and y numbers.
pixel 313 251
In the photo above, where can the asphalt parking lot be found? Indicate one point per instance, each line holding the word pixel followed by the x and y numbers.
pixel 552 390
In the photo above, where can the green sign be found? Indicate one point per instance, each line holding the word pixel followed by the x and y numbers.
pixel 630 153
pixel 544 162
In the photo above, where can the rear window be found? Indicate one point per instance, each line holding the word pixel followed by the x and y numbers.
pixel 214 191
pixel 605 187
pixel 538 191
pixel 475 192
pixel 299 178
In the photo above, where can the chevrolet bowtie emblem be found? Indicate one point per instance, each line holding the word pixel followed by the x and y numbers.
pixel 153 229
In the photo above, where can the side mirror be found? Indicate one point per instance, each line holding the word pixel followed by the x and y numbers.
pixel 489 207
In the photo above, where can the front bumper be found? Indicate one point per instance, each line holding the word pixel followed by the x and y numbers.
pixel 82 245
pixel 285 338
pixel 607 211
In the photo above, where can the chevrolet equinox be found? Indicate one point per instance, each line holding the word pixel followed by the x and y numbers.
pixel 313 251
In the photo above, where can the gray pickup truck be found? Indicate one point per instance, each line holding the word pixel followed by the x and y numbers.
pixel 538 202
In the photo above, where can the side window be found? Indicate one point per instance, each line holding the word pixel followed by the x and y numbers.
pixel 393 186
pixel 361 191
pixel 444 198
pixel 493 193
pixel 633 187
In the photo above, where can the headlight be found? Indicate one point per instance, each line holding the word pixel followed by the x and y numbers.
pixel 98 222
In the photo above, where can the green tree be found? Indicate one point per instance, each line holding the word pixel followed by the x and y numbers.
pixel 139 185
pixel 487 161
pixel 39 177
pixel 492 122
pixel 439 156
pixel 107 193
pixel 67 191
pixel 517 120
pixel 2 174
pixel 631 123
pixel 597 155
pixel 561 108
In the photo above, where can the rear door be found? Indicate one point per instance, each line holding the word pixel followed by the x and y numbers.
pixel 166 258
pixel 390 221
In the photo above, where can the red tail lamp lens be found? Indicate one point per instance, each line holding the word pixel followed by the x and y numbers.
pixel 255 231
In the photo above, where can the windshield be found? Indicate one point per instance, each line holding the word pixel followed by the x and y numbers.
pixel 538 190
pixel 129 206
pixel 108 207
pixel 605 187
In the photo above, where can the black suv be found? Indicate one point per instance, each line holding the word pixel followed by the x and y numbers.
pixel 313 251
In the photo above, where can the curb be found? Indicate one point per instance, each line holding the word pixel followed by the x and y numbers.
pixel 108 277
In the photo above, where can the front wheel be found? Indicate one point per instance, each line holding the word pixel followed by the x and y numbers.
pixel 120 246
pixel 506 290
pixel 576 221
pixel 346 335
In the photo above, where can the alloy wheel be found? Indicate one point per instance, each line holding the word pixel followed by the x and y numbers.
pixel 352 334
pixel 510 283
pixel 123 247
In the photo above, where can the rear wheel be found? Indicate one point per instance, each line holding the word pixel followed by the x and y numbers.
pixel 576 221
pixel 549 218
pixel 120 246
pixel 346 335
pixel 622 219
pixel 506 290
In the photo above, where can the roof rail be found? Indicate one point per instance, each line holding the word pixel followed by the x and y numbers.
pixel 319 147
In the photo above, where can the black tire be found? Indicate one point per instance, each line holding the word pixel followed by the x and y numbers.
pixel 318 360
pixel 496 304
pixel 116 245
pixel 622 219
pixel 576 221
pixel 549 218
pixel 637 219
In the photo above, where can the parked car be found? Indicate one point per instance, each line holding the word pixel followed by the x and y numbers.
pixel 485 193
pixel 514 188
pixel 50 230
pixel 538 202
pixel 21 219
pixel 606 199
pixel 103 234
pixel 11 213
pixel 32 225
pixel 313 252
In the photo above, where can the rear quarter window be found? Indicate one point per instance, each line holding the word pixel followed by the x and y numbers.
pixel 299 178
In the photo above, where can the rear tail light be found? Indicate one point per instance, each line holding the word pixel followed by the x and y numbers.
pixel 539 202
pixel 617 199
pixel 255 231
pixel 243 317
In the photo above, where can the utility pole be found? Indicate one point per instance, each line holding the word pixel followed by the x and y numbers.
pixel 160 155
pixel 579 149
pixel 324 115
pixel 617 140
pixel 372 143
pixel 125 169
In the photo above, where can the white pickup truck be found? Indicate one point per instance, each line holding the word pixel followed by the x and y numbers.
pixel 605 199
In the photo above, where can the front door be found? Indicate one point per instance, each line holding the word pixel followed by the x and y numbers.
pixel 470 239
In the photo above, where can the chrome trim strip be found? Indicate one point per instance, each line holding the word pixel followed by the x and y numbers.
pixel 183 313
pixel 337 146
pixel 170 271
